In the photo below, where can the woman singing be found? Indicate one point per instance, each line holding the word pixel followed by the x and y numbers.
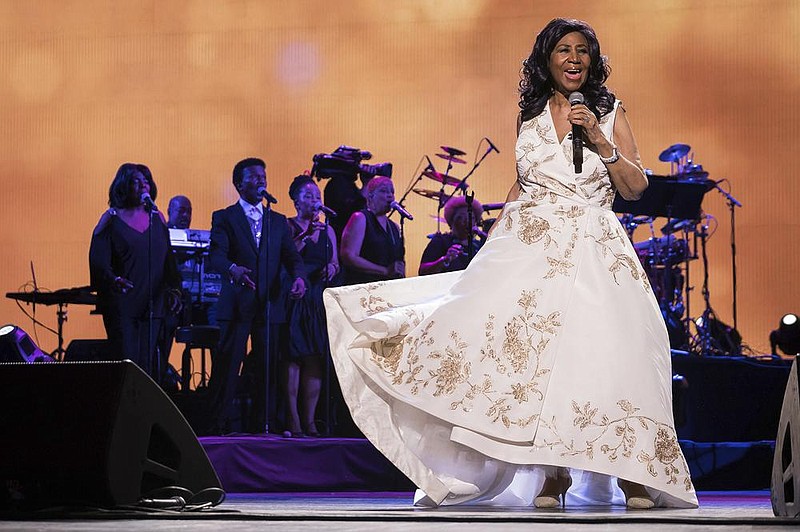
pixel 541 374
pixel 134 273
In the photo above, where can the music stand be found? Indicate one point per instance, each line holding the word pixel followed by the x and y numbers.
pixel 668 198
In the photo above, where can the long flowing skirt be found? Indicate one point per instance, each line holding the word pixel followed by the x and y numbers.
pixel 548 350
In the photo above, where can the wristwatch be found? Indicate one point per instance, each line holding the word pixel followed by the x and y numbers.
pixel 610 160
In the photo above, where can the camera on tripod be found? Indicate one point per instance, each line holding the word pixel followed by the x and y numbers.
pixel 345 161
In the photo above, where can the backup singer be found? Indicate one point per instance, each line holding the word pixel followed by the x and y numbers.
pixel 449 252
pixel 540 374
pixel 308 336
pixel 372 248
pixel 249 243
pixel 133 272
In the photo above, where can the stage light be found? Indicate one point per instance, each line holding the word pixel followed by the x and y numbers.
pixel 787 336
pixel 17 346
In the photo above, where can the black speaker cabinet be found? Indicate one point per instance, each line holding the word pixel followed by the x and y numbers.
pixel 88 351
pixel 92 434
pixel 785 493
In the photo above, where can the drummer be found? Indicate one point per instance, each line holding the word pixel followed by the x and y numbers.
pixel 448 252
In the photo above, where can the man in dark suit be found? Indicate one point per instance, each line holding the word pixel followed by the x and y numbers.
pixel 249 244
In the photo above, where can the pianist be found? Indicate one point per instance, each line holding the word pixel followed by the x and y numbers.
pixel 179 213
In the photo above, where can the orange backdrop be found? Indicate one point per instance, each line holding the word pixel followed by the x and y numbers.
pixel 189 87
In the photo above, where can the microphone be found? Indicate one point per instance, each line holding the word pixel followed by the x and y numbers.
pixel 262 192
pixel 491 145
pixel 318 206
pixel 576 98
pixel 148 202
pixel 400 210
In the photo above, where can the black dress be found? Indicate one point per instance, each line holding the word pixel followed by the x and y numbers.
pixel 308 333
pixel 145 259
pixel 382 247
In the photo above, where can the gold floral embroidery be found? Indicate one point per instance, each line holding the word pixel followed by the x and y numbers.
pixel 619 438
pixel 621 260
pixel 373 304
pixel 532 175
pixel 447 370
pixel 453 369
pixel 533 228
pixel 527 336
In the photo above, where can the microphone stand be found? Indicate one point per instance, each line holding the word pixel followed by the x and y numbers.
pixel 470 223
pixel 150 301
pixel 328 366
pixel 408 190
pixel 732 204
pixel 265 241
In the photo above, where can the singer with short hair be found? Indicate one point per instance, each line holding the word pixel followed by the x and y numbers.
pixel 449 252
pixel 249 244
pixel 541 374
pixel 372 246
pixel 307 345
pixel 133 271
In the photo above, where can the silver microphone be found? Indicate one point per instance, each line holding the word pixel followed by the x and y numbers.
pixel 148 202
pixel 318 206
pixel 401 210
pixel 262 193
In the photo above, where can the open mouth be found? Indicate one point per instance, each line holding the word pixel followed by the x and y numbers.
pixel 573 74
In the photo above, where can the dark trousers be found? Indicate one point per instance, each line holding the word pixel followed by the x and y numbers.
pixel 134 339
pixel 232 373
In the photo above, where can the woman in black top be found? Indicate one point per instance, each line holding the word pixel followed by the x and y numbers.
pixel 372 248
pixel 134 272
pixel 449 252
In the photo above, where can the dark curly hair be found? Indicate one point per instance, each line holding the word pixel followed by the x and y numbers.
pixel 119 193
pixel 297 183
pixel 536 85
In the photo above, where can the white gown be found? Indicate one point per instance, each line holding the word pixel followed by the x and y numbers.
pixel 548 350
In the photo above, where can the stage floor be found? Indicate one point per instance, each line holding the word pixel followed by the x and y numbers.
pixel 393 511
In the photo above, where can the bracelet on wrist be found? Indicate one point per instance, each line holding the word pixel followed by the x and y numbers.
pixel 610 160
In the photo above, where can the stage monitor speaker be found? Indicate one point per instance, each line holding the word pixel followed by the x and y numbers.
pixel 88 351
pixel 785 493
pixel 98 434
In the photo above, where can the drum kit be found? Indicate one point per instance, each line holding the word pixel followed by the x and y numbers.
pixel 666 258
pixel 450 185
pixel 453 156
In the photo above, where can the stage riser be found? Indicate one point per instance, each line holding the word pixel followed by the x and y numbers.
pixel 259 464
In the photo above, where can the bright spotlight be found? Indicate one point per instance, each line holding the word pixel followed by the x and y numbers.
pixel 786 337
pixel 17 346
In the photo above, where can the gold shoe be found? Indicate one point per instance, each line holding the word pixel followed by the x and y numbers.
pixel 554 492
pixel 636 496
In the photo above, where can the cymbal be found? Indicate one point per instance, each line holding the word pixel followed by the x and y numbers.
pixel 674 153
pixel 453 151
pixel 451 158
pixel 442 178
pixel 432 194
